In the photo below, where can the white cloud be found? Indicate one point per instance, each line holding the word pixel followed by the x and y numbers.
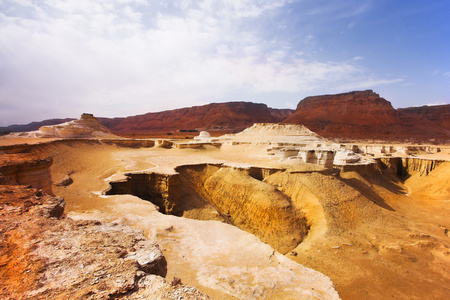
pixel 369 83
pixel 432 104
pixel 60 58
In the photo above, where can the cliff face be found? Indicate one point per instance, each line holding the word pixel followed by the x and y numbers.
pixel 439 114
pixel 406 166
pixel 26 169
pixel 217 192
pixel 363 115
pixel 231 115
pixel 47 256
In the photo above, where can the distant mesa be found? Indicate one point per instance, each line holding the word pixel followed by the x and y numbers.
pixel 215 116
pixel 357 115
pixel 86 127
pixel 367 116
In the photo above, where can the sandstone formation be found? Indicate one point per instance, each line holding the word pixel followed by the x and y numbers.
pixel 86 127
pixel 222 193
pixel 47 256
pixel 344 157
pixel 359 115
pixel 366 215
pixel 26 169
pixel 217 116
pixel 439 114
pixel 275 133
pixel 364 115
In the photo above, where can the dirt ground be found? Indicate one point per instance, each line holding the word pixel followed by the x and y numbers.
pixel 376 236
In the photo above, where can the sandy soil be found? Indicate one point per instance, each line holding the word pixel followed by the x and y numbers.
pixel 378 243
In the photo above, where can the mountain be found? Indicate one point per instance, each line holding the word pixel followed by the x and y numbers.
pixel 439 114
pixel 230 115
pixel 365 115
pixel 34 125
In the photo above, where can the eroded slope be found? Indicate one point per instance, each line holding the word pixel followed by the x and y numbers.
pixel 365 233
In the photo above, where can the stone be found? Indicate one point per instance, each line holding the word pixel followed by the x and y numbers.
pixel 364 115
pixel 344 157
pixel 86 127
pixel 66 181
pixel 48 258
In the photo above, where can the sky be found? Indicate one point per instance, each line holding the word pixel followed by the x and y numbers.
pixel 116 58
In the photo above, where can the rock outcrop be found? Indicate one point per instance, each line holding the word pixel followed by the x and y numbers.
pixel 439 114
pixel 364 115
pixel 406 166
pixel 47 256
pixel 26 169
pixel 275 133
pixel 219 116
pixel 216 192
pixel 86 127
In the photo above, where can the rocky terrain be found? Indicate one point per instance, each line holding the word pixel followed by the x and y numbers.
pixel 45 255
pixel 86 127
pixel 233 116
pixel 365 115
pixel 273 212
pixel 65 250
pixel 439 114
pixel 359 115
pixel 34 125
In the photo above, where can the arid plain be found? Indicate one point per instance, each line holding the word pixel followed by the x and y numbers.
pixel 273 212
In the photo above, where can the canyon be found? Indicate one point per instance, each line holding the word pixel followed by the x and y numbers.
pixel 275 211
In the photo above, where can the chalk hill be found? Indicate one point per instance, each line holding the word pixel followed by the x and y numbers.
pixel 365 115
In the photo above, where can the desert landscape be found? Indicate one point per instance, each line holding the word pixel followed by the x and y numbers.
pixel 343 198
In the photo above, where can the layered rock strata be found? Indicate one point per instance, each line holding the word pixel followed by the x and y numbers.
pixel 86 127
pixel 47 256
pixel 404 166
pixel 237 196
pixel 26 169
pixel 367 116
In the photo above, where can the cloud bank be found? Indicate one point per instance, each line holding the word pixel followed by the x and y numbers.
pixel 59 58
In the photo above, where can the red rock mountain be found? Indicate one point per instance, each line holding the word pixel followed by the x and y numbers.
pixel 440 114
pixel 365 115
pixel 230 115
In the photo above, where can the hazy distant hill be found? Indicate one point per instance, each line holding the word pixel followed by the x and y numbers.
pixel 365 115
pixel 34 125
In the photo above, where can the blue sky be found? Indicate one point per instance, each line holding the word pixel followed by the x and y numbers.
pixel 60 58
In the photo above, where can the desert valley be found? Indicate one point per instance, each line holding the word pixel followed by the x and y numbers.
pixel 343 198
